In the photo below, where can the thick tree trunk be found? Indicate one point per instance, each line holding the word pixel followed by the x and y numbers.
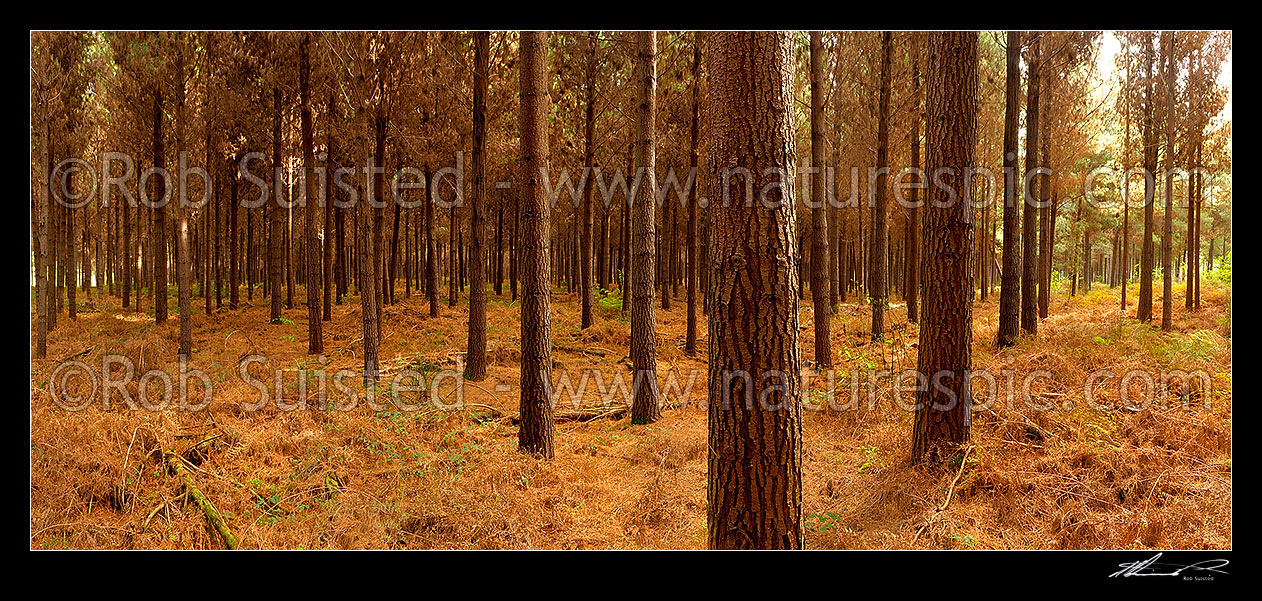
pixel 646 407
pixel 475 368
pixel 754 491
pixel 535 433
pixel 942 418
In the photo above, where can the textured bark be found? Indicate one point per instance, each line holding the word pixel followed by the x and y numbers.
pixel 311 202
pixel 1144 311
pixel 690 337
pixel 431 268
pixel 942 418
pixel 1126 180
pixel 535 432
pixel 1029 215
pixel 234 236
pixel 1167 228
pixel 1046 232
pixel 327 248
pixel 453 252
pixel 45 191
pixel 160 218
pixel 646 407
pixel 183 281
pixel 585 233
pixel 475 368
pixel 912 294
pixel 274 210
pixel 754 491
pixel 820 266
pixel 625 284
pixel 879 243
pixel 378 217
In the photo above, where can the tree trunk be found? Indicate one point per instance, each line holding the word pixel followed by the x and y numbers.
pixel 311 203
pixel 646 407
pixel 160 218
pixel 942 417
pixel 274 209
pixel 820 266
pixel 585 251
pixel 913 213
pixel 327 226
pixel 182 249
pixel 535 433
pixel 879 244
pixel 1167 230
pixel 690 337
pixel 1144 312
pixel 754 490
pixel 1029 234
pixel 475 369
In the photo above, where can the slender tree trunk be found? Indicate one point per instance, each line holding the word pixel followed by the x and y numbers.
pixel 327 226
pixel 1046 243
pixel 431 252
pixel 1126 180
pixel 45 191
pixel 585 233
pixel 913 213
pixel 366 241
pixel 879 243
pixel 1144 312
pixel 1029 234
pixel 182 248
pixel 819 252
pixel 274 208
pixel 690 339
pixel 627 208
pixel 160 218
pixel 1167 230
pixel 311 203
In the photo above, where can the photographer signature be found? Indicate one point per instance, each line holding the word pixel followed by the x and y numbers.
pixel 1150 567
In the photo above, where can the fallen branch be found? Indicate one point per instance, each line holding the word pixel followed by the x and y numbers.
pixel 212 515
pixel 580 415
pixel 155 511
pixel 950 492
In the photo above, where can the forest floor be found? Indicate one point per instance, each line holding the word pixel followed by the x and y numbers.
pixel 1070 478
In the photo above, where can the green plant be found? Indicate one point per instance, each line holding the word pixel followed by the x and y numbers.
pixel 822 522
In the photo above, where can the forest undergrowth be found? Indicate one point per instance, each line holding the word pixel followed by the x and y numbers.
pixel 1070 478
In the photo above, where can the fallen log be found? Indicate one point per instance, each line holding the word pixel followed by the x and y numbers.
pixel 212 515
